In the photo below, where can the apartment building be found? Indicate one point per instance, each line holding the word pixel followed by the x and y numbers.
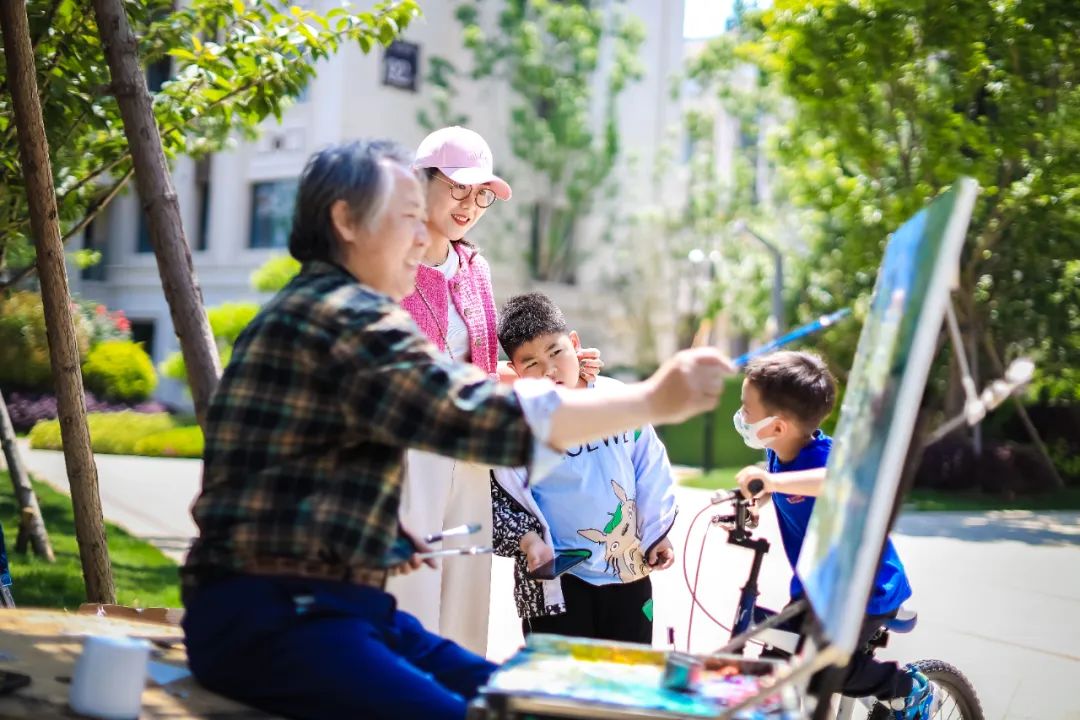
pixel 236 205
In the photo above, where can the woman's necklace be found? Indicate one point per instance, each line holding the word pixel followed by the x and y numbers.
pixel 438 326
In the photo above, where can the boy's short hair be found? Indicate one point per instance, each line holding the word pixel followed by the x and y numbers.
pixel 797 384
pixel 526 317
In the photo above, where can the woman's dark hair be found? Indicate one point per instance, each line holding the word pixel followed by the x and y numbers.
pixel 356 172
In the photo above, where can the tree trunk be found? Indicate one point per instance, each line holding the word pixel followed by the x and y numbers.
pixel 31 526
pixel 60 329
pixel 159 202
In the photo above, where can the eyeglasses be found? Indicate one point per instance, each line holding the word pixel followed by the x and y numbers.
pixel 485 196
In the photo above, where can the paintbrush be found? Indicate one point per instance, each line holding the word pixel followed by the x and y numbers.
pixel 701 337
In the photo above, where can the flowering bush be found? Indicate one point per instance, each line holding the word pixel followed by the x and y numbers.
pixel 103 325
pixel 24 348
pixel 29 408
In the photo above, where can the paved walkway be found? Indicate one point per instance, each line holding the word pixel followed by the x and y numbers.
pixel 150 497
pixel 998 593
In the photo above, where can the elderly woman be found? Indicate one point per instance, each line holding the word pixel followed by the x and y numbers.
pixel 327 388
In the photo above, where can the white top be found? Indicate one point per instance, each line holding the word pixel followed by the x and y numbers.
pixel 457 334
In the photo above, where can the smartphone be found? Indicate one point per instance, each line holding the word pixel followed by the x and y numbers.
pixel 556 566
pixel 12 681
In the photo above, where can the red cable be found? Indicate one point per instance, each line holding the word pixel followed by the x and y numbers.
pixel 694 602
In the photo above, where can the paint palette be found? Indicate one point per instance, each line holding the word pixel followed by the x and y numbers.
pixel 563 677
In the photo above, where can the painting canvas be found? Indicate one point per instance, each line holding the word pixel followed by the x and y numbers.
pixel 850 520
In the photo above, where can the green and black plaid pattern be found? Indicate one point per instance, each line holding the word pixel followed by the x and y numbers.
pixel 306 434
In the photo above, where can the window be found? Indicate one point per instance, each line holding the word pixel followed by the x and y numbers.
pixel 142 331
pixel 142 233
pixel 271 213
pixel 93 240
pixel 157 74
pixel 202 198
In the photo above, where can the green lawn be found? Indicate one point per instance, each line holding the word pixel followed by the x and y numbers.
pixel 716 479
pixel 1068 499
pixel 144 577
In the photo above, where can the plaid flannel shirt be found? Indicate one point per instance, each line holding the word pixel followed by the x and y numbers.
pixel 306 434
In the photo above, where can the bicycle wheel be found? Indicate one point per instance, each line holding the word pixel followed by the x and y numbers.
pixel 956 695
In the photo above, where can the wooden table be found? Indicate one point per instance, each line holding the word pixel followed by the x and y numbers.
pixel 45 644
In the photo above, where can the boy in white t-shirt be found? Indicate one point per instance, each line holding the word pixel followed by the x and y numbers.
pixel 611 501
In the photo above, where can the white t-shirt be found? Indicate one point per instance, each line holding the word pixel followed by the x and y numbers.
pixel 457 334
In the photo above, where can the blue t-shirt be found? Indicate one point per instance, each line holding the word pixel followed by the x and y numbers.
pixel 891 587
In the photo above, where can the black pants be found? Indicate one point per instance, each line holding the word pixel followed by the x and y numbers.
pixel 605 612
pixel 864 676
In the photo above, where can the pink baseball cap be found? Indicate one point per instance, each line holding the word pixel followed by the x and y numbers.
pixel 463 156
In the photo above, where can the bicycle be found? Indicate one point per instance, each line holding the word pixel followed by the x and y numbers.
pixel 956 696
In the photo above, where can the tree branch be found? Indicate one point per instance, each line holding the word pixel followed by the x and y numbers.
pixel 92 213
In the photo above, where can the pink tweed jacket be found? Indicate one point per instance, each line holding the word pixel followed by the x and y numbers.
pixel 470 291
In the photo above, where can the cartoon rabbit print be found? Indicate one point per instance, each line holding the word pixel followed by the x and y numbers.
pixel 622 544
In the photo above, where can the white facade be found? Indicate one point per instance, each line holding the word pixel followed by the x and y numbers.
pixel 348 100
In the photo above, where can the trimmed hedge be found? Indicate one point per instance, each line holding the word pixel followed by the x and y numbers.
pixel 128 433
pixel 111 433
pixel 686 442
pixel 186 442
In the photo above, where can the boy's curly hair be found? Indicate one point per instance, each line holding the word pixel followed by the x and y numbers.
pixel 526 317
pixel 797 384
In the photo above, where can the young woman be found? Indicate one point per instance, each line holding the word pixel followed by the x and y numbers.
pixel 453 305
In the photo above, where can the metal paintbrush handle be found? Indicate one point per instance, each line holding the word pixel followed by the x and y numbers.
pixel 467 529
pixel 474 550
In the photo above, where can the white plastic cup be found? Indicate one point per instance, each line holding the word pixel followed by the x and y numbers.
pixel 109 678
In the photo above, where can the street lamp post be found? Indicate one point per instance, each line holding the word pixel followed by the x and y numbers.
pixel 778 274
pixel 696 258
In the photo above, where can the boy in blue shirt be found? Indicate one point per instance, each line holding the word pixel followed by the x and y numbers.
pixel 785 396
pixel 611 502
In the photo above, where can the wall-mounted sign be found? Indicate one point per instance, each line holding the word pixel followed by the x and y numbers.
pixel 401 65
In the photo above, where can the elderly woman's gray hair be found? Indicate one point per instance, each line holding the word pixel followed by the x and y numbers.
pixel 357 172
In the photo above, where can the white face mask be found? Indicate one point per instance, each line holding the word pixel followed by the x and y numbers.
pixel 749 431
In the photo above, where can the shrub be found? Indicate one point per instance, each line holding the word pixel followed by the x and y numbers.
pixel 179 442
pixel 101 324
pixel 685 442
pixel 275 273
pixel 28 409
pixel 1005 469
pixel 24 347
pixel 113 433
pixel 227 321
pixel 120 370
